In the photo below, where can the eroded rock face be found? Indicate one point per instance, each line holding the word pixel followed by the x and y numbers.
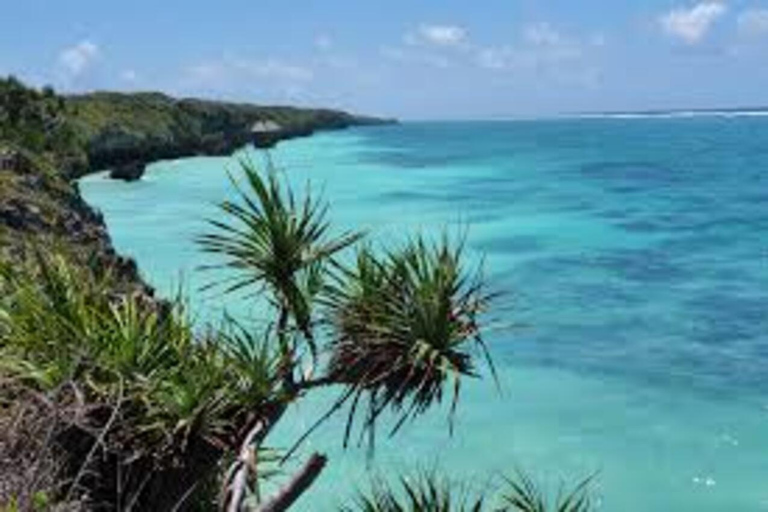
pixel 44 211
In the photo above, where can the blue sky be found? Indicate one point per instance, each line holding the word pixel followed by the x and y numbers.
pixel 407 58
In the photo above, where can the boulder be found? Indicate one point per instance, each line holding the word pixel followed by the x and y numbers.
pixel 131 171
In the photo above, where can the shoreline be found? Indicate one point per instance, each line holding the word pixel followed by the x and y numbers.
pixel 127 265
pixel 123 132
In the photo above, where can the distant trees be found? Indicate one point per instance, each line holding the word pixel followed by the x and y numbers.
pixel 37 121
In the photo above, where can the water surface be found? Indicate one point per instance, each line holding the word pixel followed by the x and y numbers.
pixel 635 257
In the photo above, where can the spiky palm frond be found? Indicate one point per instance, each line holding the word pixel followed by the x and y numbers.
pixel 130 378
pixel 48 313
pixel 525 495
pixel 272 239
pixel 427 492
pixel 59 323
pixel 406 326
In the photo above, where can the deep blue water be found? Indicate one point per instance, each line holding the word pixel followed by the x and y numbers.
pixel 633 255
pixel 637 247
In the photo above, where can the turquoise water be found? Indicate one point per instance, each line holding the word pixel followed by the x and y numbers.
pixel 635 258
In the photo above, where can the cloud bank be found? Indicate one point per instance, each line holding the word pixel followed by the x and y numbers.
pixel 691 25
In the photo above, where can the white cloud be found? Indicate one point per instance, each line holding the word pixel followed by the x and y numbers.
pixel 76 59
pixel 544 52
pixel 753 22
pixel 541 45
pixel 438 35
pixel 431 45
pixel 494 58
pixel 540 51
pixel 691 25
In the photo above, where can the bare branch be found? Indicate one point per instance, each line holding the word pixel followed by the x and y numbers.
pixel 239 485
pixel 292 490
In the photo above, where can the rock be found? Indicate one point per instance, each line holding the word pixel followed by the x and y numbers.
pixel 128 172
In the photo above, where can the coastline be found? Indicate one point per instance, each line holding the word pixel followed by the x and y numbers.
pixel 126 132
pixel 40 202
pixel 93 221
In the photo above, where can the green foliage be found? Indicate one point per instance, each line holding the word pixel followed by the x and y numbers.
pixel 141 127
pixel 405 325
pixel 525 495
pixel 271 239
pixel 156 116
pixel 427 492
pixel 105 129
pixel 59 323
pixel 41 502
pixel 37 121
pixel 124 385
pixel 128 373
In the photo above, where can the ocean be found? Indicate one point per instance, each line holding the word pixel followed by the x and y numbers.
pixel 632 255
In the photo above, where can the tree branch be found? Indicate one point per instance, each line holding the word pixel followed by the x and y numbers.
pixel 319 382
pixel 239 485
pixel 295 487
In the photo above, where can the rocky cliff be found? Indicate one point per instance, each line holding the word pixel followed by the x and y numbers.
pixel 47 140
pixel 124 132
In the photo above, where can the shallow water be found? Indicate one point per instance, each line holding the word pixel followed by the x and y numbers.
pixel 634 254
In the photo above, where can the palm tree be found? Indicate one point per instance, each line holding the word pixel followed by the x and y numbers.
pixel 111 398
pixel 402 324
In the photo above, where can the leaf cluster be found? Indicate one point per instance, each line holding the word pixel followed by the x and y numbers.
pixel 166 386
pixel 429 492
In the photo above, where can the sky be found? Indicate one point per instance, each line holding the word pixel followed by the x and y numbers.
pixel 413 59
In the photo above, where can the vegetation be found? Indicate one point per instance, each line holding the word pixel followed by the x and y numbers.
pixel 105 130
pixel 121 129
pixel 429 492
pixel 37 122
pixel 133 408
pixel 112 400
pixel 50 139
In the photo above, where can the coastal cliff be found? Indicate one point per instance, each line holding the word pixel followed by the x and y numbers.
pixel 48 140
pixel 124 132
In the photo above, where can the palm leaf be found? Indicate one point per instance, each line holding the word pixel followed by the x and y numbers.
pixel 405 328
pixel 273 240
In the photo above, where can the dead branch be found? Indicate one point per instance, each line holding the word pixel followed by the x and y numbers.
pixel 291 491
